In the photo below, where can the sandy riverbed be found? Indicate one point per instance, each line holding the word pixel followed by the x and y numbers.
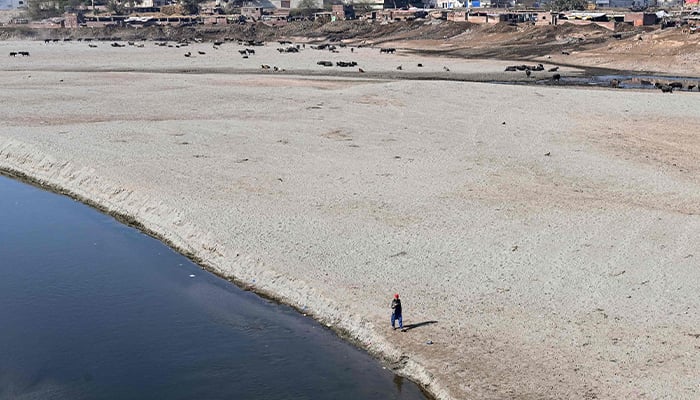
pixel 542 238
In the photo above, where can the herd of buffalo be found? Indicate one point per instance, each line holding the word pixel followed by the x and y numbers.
pixel 289 47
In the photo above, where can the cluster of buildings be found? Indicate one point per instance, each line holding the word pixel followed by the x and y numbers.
pixel 277 12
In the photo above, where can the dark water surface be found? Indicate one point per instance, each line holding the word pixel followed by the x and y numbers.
pixel 92 309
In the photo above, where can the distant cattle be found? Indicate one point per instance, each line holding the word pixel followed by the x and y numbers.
pixel 666 89
pixel 387 50
pixel 676 85
pixel 346 63
pixel 556 77
pixel 325 63
pixel 290 49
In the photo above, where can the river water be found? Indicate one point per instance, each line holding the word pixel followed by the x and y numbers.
pixel 93 309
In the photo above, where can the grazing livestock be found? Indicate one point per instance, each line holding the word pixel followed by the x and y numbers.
pixel 566 53
pixel 13 54
pixel 218 43
pixel 265 66
pixel 46 41
pixel 243 52
pixel 446 69
pixel 553 69
pixel 691 87
pixel 360 70
pixel 92 45
pixel 420 65
pixel 325 63
pixel 666 89
pixel 387 50
pixel 556 77
pixel 676 85
pixel 188 54
pixel 528 72
pixel 511 68
pixel 290 49
pixel 201 53
pixel 346 64
pixel 400 68
pixel 250 51
pixel 614 83
pixel 115 44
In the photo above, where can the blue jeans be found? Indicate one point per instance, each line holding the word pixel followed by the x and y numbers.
pixel 395 317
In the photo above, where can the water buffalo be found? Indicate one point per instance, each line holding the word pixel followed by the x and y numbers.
pixel 346 64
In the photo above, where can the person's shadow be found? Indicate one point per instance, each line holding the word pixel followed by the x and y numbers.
pixel 408 327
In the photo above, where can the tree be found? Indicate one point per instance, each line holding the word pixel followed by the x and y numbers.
pixel 567 5
pixel 190 6
pixel 42 9
pixel 116 7
pixel 362 6
pixel 306 8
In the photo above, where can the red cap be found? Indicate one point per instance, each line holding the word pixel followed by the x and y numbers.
pixel 396 296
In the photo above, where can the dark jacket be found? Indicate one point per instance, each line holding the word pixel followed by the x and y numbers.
pixel 396 306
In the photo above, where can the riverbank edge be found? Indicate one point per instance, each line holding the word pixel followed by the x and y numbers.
pixel 21 162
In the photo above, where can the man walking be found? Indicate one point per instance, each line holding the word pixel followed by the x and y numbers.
pixel 396 312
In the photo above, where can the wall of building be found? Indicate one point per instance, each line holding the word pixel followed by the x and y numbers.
pixel 12 4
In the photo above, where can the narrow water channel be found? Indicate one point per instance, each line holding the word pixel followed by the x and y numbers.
pixel 93 309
